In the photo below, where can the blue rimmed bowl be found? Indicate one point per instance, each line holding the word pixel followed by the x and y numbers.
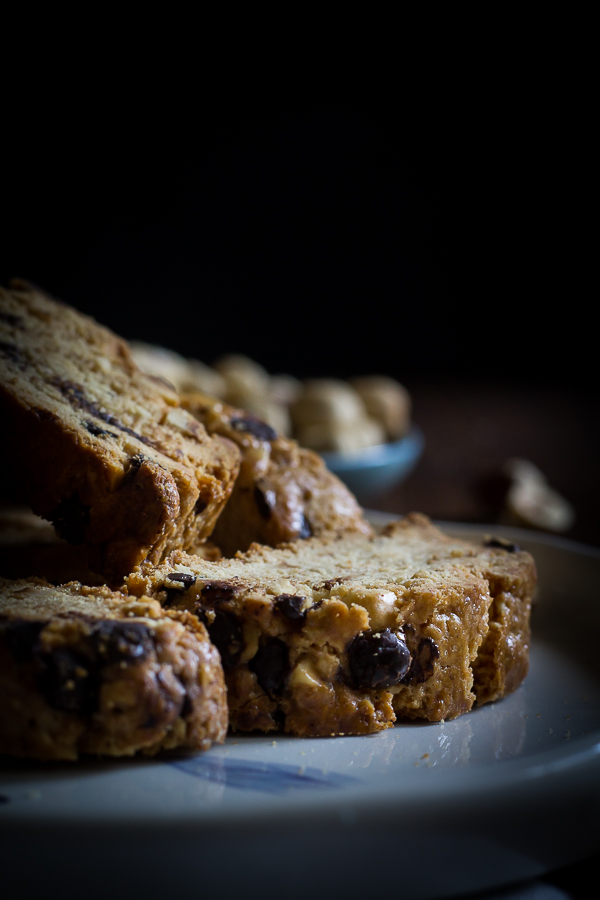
pixel 373 470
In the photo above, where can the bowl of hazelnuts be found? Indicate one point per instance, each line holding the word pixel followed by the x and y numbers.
pixel 362 426
pixel 363 429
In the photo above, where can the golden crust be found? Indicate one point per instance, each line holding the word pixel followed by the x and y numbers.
pixel 104 451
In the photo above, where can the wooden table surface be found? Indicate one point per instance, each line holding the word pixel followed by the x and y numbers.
pixel 470 432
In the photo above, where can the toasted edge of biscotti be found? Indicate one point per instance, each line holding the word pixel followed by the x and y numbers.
pixel 99 448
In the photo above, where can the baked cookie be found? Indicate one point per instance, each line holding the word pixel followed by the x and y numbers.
pixel 331 636
pixel 89 671
pixel 283 491
pixel 102 450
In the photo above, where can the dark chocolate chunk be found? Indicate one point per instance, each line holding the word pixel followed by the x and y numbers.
pixel 218 591
pixel 254 426
pixel 184 578
pixel 14 354
pixel 291 606
pixel 116 641
pixel 71 519
pixel 502 544
pixel 75 394
pixel 97 430
pixel 265 501
pixel 225 631
pixel 330 583
pixel 176 586
pixel 377 659
pixel 69 681
pixel 421 667
pixel 271 666
pixel 44 415
pixel 187 706
pixel 12 320
pixel 22 636
pixel 200 506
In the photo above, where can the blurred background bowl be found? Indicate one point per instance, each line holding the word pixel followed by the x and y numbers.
pixel 371 471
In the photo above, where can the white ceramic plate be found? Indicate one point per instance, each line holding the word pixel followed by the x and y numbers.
pixel 504 793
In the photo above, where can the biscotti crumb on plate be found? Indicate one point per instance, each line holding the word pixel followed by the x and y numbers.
pixel 283 492
pixel 85 670
pixel 346 635
pixel 99 448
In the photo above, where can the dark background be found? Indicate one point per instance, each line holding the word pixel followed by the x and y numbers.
pixel 437 240
pixel 443 240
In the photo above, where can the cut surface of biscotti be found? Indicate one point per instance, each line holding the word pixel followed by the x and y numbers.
pixel 346 635
pixel 283 491
pixel 102 450
pixel 89 671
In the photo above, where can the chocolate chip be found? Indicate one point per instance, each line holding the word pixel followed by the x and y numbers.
pixel 254 426
pixel 44 415
pixel 200 506
pixel 502 544
pixel 271 666
pixel 14 354
pixel 265 501
pixel 291 606
pixel 330 583
pixel 96 430
pixel 22 636
pixel 377 659
pixel 69 681
pixel 174 593
pixel 225 631
pixel 184 578
pixel 217 591
pixel 423 662
pixel 75 394
pixel 10 319
pixel 187 707
pixel 117 641
pixel 71 519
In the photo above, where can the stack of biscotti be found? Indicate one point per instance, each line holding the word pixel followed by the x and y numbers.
pixel 100 449
pixel 332 636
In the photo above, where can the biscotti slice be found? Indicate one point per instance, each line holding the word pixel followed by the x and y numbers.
pixel 345 635
pixel 99 448
pixel 283 491
pixel 89 671
pixel 30 546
